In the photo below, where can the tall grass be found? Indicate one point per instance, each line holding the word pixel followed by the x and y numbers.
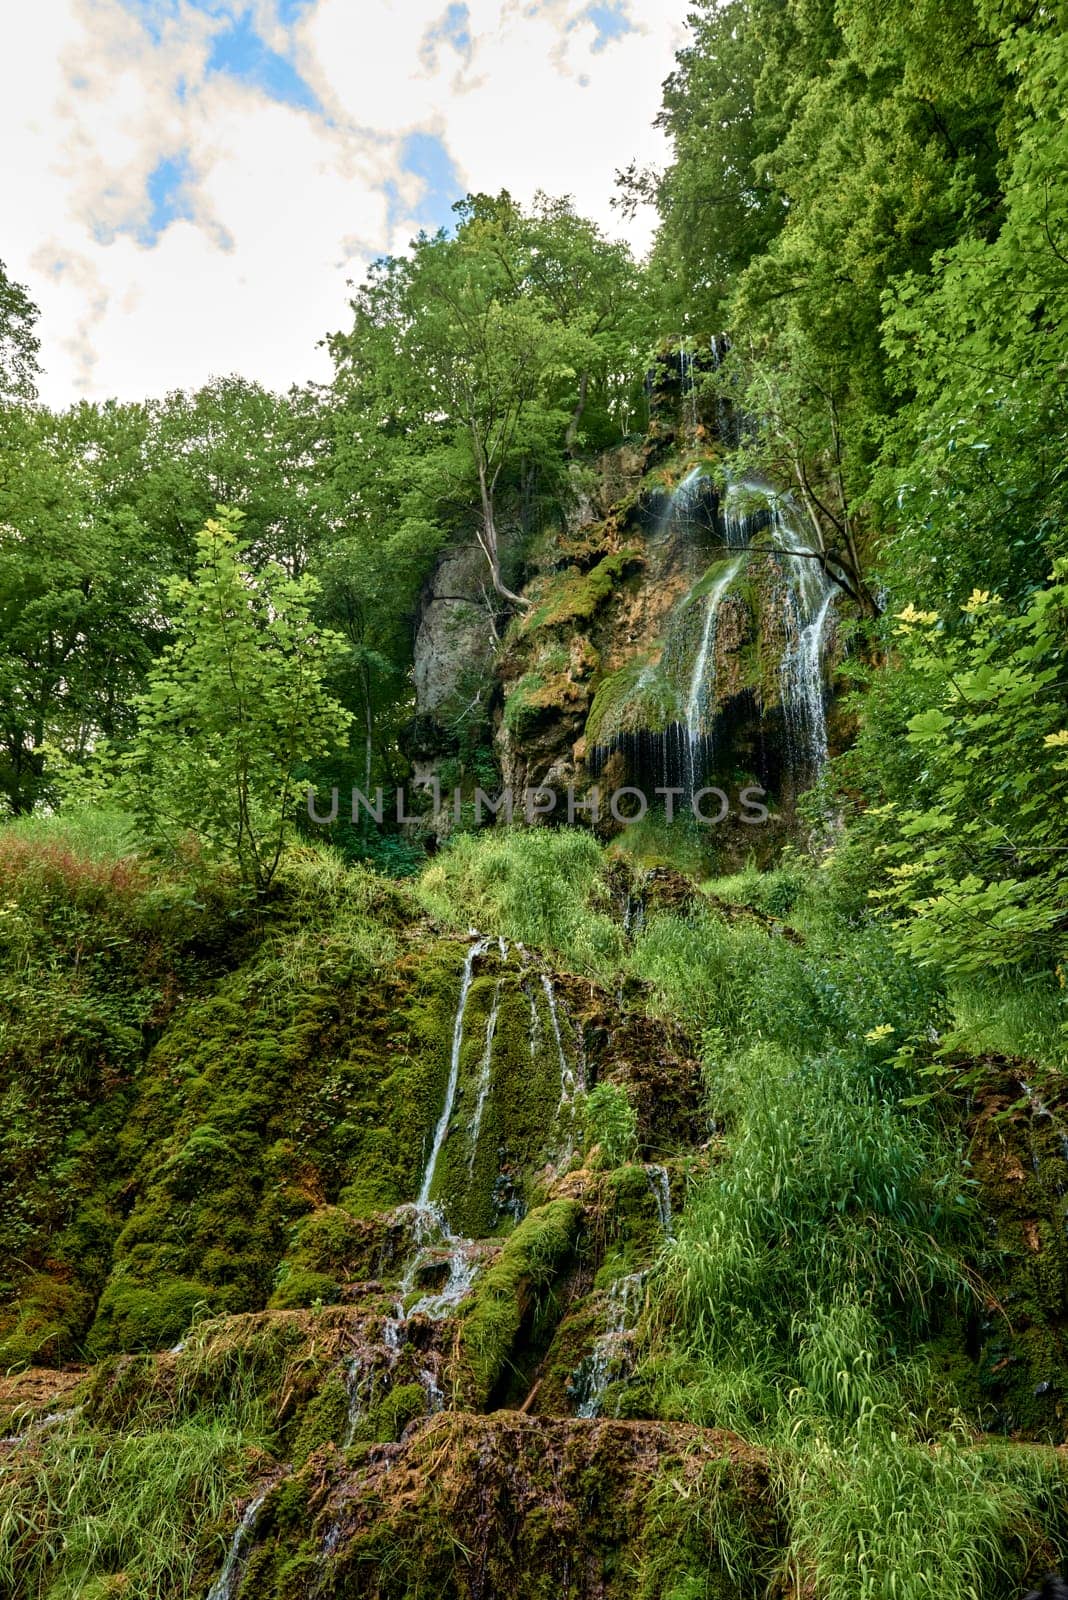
pixel 85 1513
pixel 876 1517
pixel 96 835
pixel 1027 1019
pixel 539 886
pixel 752 988
pixel 827 1228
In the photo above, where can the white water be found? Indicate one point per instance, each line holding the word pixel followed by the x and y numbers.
pixel 567 1077
pixel 808 597
pixel 661 1192
pixel 454 1072
pixel 463 1267
pixel 535 1026
pixel 463 1270
pixel 688 385
pixel 358 1386
pixel 432 1236
pixel 485 1078
pixel 624 1303
pixel 225 1585
pixel 680 502
pixel 700 688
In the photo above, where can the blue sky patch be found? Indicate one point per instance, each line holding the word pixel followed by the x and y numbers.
pixel 155 14
pixel 236 48
pixel 291 11
pixel 425 156
pixel 609 18
pixel 168 197
pixel 454 28
pixel 238 51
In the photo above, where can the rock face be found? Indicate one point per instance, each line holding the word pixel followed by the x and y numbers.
pixel 454 644
pixel 674 643
pixel 672 638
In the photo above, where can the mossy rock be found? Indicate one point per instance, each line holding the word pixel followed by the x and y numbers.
pixel 515 1296
pixel 575 596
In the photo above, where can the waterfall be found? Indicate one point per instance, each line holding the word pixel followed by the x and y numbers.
pixel 358 1385
pixel 607 1357
pixel 485 1078
pixel 809 597
pixel 680 503
pixel 688 384
pixel 665 721
pixel 429 1218
pixel 535 1025
pixel 661 1192
pixel 225 1585
pixel 454 1071
pixel 1040 1111
pixel 701 691
pixel 567 1077
pixel 463 1270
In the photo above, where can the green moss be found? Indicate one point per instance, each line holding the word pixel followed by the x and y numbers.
pixel 575 596
pixel 387 1418
pixel 324 1419
pixel 640 696
pixel 482 1187
pixel 146 1316
pixel 294 1289
pixel 514 1295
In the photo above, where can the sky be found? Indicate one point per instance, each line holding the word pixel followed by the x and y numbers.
pixel 188 186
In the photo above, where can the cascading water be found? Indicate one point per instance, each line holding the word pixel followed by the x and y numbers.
pixel 485 1078
pixel 429 1219
pixel 477 949
pixel 660 1187
pixel 698 727
pixel 808 598
pixel 608 1357
pixel 681 506
pixel 567 1077
pixel 754 525
pixel 359 1383
pixel 225 1585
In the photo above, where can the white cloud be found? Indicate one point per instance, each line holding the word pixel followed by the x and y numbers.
pixel 284 204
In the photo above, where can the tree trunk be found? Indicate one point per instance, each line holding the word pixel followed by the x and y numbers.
pixel 571 436
pixel 487 538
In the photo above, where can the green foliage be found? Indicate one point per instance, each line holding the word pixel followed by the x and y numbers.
pixel 82 1507
pixel 877 1517
pixel 484 350
pixel 730 982
pixel 19 343
pixel 973 853
pixel 610 1123
pixel 232 708
pixel 544 888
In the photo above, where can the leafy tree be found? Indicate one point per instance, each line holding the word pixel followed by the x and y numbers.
pixel 232 709
pixel 973 835
pixel 81 582
pixel 976 462
pixel 19 344
pixel 469 367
